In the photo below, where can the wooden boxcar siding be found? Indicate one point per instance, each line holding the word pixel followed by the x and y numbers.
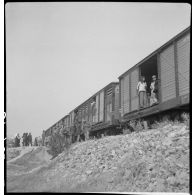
pixel 71 118
pixel 72 122
pixel 68 121
pixel 116 102
pixel 86 112
pixel 65 122
pixel 60 124
pixel 83 113
pixel 102 106
pixel 97 107
pixel 108 105
pixel 134 79
pixel 183 61
pixel 80 114
pixel 126 94
pixel 167 66
pixel 93 112
pixel 122 96
pixel 89 111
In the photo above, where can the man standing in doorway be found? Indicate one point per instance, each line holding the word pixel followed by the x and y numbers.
pixel 154 91
pixel 141 91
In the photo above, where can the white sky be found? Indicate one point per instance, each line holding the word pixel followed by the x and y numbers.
pixel 59 54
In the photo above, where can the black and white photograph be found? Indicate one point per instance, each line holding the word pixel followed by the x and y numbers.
pixel 98 97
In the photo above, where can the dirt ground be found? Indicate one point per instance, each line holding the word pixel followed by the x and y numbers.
pixel 156 160
pixel 22 169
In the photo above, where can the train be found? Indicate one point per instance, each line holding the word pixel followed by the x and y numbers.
pixel 118 102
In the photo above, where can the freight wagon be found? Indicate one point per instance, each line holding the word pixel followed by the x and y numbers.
pixel 171 64
pixel 101 110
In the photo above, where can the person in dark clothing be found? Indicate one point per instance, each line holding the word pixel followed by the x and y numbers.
pixel 30 139
pixel 23 139
pixel 86 126
pixel 17 140
pixel 78 130
pixel 35 142
pixel 27 141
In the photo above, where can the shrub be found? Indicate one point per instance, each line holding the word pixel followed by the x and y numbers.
pixel 155 125
pixel 132 124
pixel 165 119
pixel 185 117
pixel 139 126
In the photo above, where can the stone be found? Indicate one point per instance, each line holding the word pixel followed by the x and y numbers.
pixel 88 172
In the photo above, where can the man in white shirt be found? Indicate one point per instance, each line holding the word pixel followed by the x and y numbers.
pixel 141 91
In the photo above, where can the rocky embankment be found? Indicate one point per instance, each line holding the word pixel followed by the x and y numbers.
pixel 156 160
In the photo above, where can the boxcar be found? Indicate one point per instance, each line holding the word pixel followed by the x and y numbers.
pixel 101 110
pixel 171 64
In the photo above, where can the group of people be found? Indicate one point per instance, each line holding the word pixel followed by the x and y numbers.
pixel 147 96
pixel 26 139
pixel 81 129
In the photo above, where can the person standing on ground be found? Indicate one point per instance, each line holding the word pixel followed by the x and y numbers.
pixel 30 139
pixel 23 139
pixel 86 129
pixel 64 135
pixel 141 91
pixel 79 125
pixel 17 140
pixel 27 139
pixel 35 142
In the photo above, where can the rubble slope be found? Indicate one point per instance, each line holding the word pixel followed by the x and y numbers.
pixel 156 160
